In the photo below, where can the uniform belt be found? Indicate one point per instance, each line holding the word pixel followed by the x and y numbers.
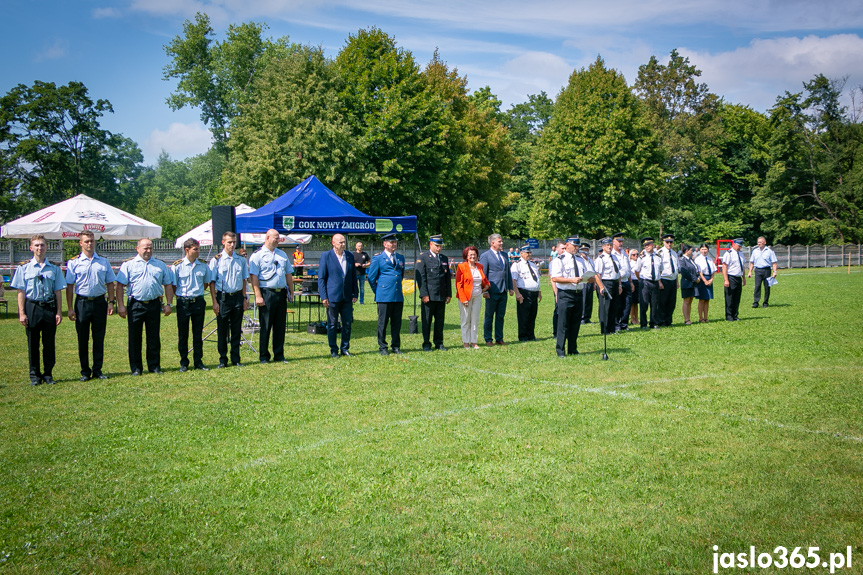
pixel 228 294
pixel 764 268
pixel 49 303
pixel 145 300
pixel 91 298
pixel 274 289
pixel 184 299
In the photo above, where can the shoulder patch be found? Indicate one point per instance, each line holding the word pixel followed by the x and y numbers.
pixel 25 262
pixel 218 255
pixel 129 259
pixel 202 261
pixel 176 263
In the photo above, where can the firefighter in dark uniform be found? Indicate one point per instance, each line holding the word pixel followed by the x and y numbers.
pixel 434 281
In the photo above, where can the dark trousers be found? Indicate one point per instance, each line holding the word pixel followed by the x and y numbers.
pixel 761 275
pixel 570 304
pixel 41 325
pixel 587 306
pixel 273 319
pixel 229 323
pixel 91 316
pixel 190 310
pixel 624 305
pixel 667 302
pixel 141 315
pixel 495 310
pixel 433 312
pixel 526 314
pixel 608 307
pixel 390 312
pixel 337 310
pixel 732 297
pixel 361 279
pixel 649 299
pixel 554 320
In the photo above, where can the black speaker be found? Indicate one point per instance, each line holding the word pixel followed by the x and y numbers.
pixel 224 220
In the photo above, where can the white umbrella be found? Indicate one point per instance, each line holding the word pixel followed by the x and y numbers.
pixel 204 233
pixel 69 218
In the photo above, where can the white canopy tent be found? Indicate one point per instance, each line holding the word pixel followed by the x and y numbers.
pixel 69 218
pixel 204 233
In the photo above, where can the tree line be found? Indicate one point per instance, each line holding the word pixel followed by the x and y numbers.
pixel 392 137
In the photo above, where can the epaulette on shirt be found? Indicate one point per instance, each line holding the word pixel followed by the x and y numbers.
pixel 176 263
pixel 218 255
pixel 202 261
pixel 24 262
pixel 129 259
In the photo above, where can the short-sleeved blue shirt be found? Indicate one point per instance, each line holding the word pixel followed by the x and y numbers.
pixel 229 272
pixel 89 275
pixel 271 268
pixel 145 278
pixel 39 281
pixel 190 278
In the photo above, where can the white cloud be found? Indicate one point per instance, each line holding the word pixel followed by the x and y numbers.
pixel 109 12
pixel 756 74
pixel 54 51
pixel 180 141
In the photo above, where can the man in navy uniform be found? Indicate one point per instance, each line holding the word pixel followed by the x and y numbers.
pixel 337 286
pixel 608 270
pixel 229 273
pixel 525 279
pixel 669 281
pixel 496 266
pixel 385 278
pixel 434 280
pixel 588 288
pixel 271 274
pixel 191 276
pixel 92 279
pixel 627 287
pixel 566 272
pixel 649 269
pixel 149 280
pixel 39 284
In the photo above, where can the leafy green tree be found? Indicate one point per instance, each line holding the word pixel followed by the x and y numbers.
pixel 178 194
pixel 53 148
pixel 215 76
pixel 598 164
pixel 812 191
pixel 294 128
pixel 525 122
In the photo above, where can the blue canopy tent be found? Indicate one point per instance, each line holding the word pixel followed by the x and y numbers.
pixel 310 207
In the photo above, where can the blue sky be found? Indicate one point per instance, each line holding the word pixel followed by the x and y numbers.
pixel 749 52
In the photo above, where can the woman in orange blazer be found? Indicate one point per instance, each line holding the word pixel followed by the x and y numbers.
pixel 471 286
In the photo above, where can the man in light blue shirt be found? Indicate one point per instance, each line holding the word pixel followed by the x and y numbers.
pixel 39 284
pixel 149 280
pixel 762 259
pixel 91 278
pixel 191 276
pixel 229 272
pixel 270 271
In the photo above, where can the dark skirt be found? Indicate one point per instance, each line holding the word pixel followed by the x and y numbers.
pixel 686 293
pixel 704 292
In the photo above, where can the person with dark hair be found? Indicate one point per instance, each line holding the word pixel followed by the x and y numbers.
pixel 704 288
pixel 732 272
pixel 362 261
pixel 90 277
pixel 40 308
pixel 689 278
pixel 191 277
pixel 471 286
pixel 149 280
pixel 229 275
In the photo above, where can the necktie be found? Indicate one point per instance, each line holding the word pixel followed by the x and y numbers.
pixel 653 268
pixel 502 260
pixel 707 261
pixel 740 259
pixel 530 269
pixel 614 263
pixel 671 259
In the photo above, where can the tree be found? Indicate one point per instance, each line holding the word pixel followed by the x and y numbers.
pixel 294 128
pixel 53 148
pixel 217 76
pixel 812 191
pixel 597 164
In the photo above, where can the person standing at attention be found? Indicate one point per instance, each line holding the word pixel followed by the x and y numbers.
pixel 496 267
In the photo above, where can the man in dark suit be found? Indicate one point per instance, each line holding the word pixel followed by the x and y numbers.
pixel 385 277
pixel 496 267
pixel 337 284
pixel 434 280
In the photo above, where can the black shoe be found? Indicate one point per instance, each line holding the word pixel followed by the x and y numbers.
pixel 755 304
pixel 574 353
pixel 765 305
pixel 238 364
pixel 397 351
pixel 656 327
pixel 202 367
pixel 222 365
pixel 346 353
pixel 136 372
pixel 100 376
pixel 441 348
pixel 35 382
pixel 427 348
pixel 156 370
pixel 285 361
pixel 265 361
pixel 84 378
pixel 384 352
pixel 48 379
pixel 334 355
pixel 561 354
pixel 183 369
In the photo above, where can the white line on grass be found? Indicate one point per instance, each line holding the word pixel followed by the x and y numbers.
pixel 622 394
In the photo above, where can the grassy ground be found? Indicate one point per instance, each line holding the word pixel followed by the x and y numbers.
pixel 503 460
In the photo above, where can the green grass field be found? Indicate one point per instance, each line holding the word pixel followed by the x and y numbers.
pixel 499 460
